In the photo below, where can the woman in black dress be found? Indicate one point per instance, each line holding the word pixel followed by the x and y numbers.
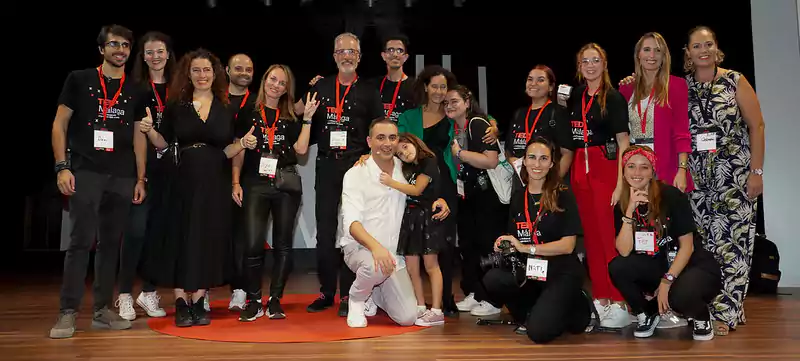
pixel 193 257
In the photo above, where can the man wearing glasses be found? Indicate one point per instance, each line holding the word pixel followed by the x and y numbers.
pixel 98 110
pixel 396 88
pixel 339 128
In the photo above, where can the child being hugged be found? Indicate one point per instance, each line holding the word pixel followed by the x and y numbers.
pixel 420 234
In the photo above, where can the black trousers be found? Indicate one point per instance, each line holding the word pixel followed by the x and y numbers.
pixel 261 199
pixel 447 255
pixel 689 294
pixel 132 245
pixel 328 186
pixel 547 309
pixel 481 219
pixel 98 210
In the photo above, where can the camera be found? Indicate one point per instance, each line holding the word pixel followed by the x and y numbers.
pixel 508 259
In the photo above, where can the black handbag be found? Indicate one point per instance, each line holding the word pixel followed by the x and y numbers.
pixel 288 180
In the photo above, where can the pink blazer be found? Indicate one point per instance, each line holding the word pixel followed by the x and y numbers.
pixel 670 129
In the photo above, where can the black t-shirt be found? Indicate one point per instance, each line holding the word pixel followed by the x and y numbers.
pixel 153 94
pixel 475 179
pixel 426 166
pixel 678 221
pixel 286 133
pixel 405 95
pixel 361 105
pixel 600 128
pixel 553 124
pixel 239 102
pixel 82 92
pixel 551 227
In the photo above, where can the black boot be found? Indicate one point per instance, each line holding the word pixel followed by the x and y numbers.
pixel 200 316
pixel 449 307
pixel 183 313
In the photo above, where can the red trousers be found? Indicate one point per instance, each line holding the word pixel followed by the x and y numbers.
pixel 593 191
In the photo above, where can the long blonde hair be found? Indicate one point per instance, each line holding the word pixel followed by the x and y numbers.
pixel 661 81
pixel 286 102
pixel 605 80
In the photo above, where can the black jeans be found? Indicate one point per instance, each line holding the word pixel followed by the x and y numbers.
pixel 328 186
pixel 547 309
pixel 481 219
pixel 98 211
pixel 448 253
pixel 261 199
pixel 132 245
pixel 689 294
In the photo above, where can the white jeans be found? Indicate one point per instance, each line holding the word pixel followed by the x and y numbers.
pixel 394 294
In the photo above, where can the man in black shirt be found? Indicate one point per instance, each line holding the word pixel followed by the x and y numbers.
pixel 396 88
pixel 340 127
pixel 97 113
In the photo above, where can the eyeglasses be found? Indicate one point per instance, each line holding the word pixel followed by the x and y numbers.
pixel 398 51
pixel 345 52
pixel 594 60
pixel 116 44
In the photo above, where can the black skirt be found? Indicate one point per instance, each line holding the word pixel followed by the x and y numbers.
pixel 419 234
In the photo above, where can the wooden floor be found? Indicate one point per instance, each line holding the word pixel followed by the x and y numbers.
pixel 29 306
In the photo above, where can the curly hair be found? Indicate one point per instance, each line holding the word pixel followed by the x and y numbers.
pixel 181 83
pixel 424 79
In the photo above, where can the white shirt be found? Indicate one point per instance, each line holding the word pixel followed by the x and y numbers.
pixel 377 207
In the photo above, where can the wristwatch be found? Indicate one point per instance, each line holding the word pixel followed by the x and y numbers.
pixel 62 165
pixel 669 277
pixel 758 171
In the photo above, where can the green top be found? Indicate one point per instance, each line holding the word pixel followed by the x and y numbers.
pixel 411 122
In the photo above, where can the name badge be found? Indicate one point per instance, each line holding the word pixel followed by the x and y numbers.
pixel 706 142
pixel 536 269
pixel 268 166
pixel 104 140
pixel 518 166
pixel 671 257
pixel 645 242
pixel 460 187
pixel 338 139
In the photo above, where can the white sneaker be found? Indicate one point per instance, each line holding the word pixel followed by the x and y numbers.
pixel 616 317
pixel 484 308
pixel 671 320
pixel 467 304
pixel 206 302
pixel 238 300
pixel 355 314
pixel 602 311
pixel 370 308
pixel 148 301
pixel 125 305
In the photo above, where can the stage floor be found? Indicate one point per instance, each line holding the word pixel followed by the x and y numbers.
pixel 29 306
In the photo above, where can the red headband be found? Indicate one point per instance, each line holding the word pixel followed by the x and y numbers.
pixel 643 152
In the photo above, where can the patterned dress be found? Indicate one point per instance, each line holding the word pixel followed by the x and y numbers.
pixel 722 210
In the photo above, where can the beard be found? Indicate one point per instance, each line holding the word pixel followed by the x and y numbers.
pixel 112 60
pixel 242 80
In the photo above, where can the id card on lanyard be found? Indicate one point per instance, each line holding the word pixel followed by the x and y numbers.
pixel 103 137
pixel 536 267
pixel 707 141
pixel 645 239
pixel 268 165
pixel 338 137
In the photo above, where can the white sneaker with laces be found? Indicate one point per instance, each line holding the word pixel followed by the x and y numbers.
pixel 485 308
pixel 467 304
pixel 238 300
pixel 148 301
pixel 125 305
pixel 355 314
pixel 430 318
pixel 616 317
pixel 370 308
pixel 602 311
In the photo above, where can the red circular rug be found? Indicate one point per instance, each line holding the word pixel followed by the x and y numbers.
pixel 298 326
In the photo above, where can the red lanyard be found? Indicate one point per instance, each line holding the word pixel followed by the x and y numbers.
pixel 340 102
pixel 106 104
pixel 643 117
pixel 534 237
pixel 535 120
pixel 396 90
pixel 270 130
pixel 584 110
pixel 244 100
pixel 158 97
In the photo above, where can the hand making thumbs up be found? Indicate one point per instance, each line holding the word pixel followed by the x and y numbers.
pixel 249 140
pixel 146 125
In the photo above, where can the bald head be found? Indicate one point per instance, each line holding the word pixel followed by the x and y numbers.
pixel 240 70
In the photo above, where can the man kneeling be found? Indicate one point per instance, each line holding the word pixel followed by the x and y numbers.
pixel 371 216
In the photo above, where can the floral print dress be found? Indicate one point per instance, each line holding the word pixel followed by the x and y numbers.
pixel 722 210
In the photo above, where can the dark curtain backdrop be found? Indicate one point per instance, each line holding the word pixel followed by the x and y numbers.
pixel 508 37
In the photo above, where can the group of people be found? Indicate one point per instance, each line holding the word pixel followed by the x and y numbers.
pixel 406 170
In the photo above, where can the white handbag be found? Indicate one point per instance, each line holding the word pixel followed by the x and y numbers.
pixel 501 175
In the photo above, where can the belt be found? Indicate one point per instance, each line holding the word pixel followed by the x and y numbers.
pixel 340 154
pixel 195 145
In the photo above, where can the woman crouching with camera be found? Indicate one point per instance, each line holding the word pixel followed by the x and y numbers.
pixel 659 254
pixel 536 273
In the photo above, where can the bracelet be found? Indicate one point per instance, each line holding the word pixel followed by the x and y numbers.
pixel 458 155
pixel 306 122
pixel 627 220
pixel 143 180
pixel 241 142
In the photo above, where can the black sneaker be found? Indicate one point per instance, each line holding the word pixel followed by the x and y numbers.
pixel 200 316
pixel 322 303
pixel 274 309
pixel 252 310
pixel 521 330
pixel 702 330
pixel 344 306
pixel 183 314
pixel 449 307
pixel 647 325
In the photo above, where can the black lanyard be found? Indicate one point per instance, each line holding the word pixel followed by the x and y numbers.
pixel 705 110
